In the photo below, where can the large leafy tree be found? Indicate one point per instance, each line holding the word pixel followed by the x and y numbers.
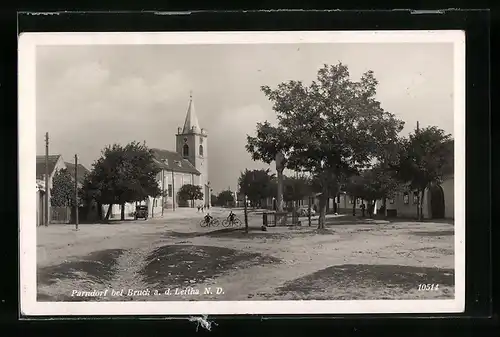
pixel 331 128
pixel 225 198
pixel 62 193
pixel 296 188
pixel 190 192
pixel 256 185
pixel 425 157
pixel 123 174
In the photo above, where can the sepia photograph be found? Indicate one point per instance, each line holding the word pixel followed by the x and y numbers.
pixel 242 173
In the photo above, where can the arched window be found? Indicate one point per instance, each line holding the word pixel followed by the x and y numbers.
pixel 201 150
pixel 185 150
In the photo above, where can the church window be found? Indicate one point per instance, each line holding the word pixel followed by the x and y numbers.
pixel 406 198
pixel 185 150
pixel 170 190
pixel 201 151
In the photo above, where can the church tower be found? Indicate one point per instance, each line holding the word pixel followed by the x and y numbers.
pixel 191 144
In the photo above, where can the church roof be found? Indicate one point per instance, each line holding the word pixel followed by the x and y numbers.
pixel 191 124
pixel 173 161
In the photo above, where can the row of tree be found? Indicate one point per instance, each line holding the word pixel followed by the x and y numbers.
pixel 259 185
pixel 335 131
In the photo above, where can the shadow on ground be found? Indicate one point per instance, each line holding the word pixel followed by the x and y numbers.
pixel 182 265
pixel 234 233
pixel 98 265
pixel 330 283
pixel 434 233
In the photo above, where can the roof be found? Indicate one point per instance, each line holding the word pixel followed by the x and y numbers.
pixel 82 171
pixel 40 164
pixel 173 161
pixel 191 123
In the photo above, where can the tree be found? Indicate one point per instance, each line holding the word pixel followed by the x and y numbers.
pixel 225 198
pixel 256 185
pixel 425 157
pixel 213 200
pixel 190 192
pixel 122 174
pixel 62 193
pixel 296 188
pixel 332 128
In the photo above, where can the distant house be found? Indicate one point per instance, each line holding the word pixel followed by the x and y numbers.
pixel 55 163
pixel 81 173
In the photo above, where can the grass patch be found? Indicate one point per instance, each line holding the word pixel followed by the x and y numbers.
pixel 332 282
pixel 175 265
pixel 435 233
pixel 98 266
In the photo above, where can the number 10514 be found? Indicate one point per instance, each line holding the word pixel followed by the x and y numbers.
pixel 428 287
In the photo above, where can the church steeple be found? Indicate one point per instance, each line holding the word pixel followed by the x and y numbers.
pixel 191 124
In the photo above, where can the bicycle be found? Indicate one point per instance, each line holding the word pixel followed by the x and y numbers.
pixel 213 223
pixel 235 222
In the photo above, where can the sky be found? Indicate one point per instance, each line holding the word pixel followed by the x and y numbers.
pixel 92 96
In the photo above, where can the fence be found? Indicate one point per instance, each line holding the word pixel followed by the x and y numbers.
pixel 272 219
pixel 60 215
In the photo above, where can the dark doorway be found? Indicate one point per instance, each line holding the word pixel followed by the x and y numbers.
pixel 437 202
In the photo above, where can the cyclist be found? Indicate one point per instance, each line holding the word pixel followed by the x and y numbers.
pixel 208 218
pixel 231 216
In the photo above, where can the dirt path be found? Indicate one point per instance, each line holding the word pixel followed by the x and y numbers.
pixel 301 252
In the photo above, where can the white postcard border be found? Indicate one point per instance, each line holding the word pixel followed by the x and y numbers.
pixel 27 176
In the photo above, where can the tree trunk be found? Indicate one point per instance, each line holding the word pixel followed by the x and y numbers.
pixel 354 206
pixel 384 206
pixel 322 210
pixel 421 203
pixel 279 199
pixel 108 213
pixel 99 211
pixel 122 215
pixel 246 216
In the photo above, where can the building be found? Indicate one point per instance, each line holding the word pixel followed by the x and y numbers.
pixel 438 201
pixel 55 163
pixel 188 164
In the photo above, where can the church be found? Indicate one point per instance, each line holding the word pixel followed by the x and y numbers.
pixel 188 164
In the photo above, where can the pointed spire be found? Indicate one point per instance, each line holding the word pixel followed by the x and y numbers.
pixel 418 127
pixel 191 123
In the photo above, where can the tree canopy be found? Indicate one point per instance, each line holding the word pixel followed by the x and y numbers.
pixel 225 198
pixel 190 192
pixel 62 193
pixel 257 185
pixel 123 174
pixel 335 126
pixel 425 157
pixel 296 188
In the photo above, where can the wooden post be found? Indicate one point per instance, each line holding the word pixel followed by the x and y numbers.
pixel 47 189
pixel 309 211
pixel 76 192
pixel 173 191
pixel 246 214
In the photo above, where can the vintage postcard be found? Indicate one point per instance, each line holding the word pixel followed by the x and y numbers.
pixel 242 173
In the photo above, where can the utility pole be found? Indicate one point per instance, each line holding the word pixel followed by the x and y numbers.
pixel 162 191
pixel 47 189
pixel 76 192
